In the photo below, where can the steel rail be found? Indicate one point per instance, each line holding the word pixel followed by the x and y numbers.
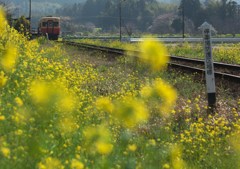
pixel 232 68
pixel 191 40
pixel 221 75
pixel 162 39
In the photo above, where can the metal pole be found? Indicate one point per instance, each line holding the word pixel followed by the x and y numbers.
pixel 30 14
pixel 183 19
pixel 120 20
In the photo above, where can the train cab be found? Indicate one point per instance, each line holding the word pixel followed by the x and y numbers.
pixel 50 26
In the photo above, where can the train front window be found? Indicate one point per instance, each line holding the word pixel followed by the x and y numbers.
pixel 44 24
pixel 50 24
pixel 55 24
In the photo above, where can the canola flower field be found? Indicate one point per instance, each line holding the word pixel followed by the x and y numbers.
pixel 226 53
pixel 57 112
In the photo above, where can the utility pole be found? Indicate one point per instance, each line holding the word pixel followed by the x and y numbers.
pixel 183 19
pixel 120 20
pixel 30 14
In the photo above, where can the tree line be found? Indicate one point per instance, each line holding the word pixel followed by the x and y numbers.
pixel 155 17
pixel 137 14
pixel 224 15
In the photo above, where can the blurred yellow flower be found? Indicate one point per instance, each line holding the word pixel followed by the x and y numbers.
pixel 50 163
pixel 131 112
pixel 39 91
pixel 105 104
pixel 18 132
pixel 155 54
pixel 18 101
pixel 152 142
pixel 98 139
pixel 104 148
pixel 78 148
pixel 3 79
pixel 67 125
pixel 97 133
pixel 234 140
pixel 166 166
pixel 75 164
pixel 2 118
pixel 176 157
pixel 66 103
pixel 20 117
pixel 9 59
pixel 167 93
pixel 2 18
pixel 6 152
pixel 146 92
pixel 132 147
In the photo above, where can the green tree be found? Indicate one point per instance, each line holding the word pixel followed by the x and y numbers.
pixel 192 10
pixel 22 25
pixel 177 25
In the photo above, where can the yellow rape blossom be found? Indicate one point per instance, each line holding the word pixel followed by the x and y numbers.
pixel 39 91
pixel 2 118
pixel 155 54
pixel 146 92
pixel 105 104
pixel 75 164
pixel 167 93
pixel 131 112
pixel 50 163
pixel 3 79
pixel 78 148
pixel 152 142
pixel 20 117
pixel 97 133
pixel 19 132
pixel 166 166
pixel 163 90
pixel 9 59
pixel 67 125
pixel 67 103
pixel 176 157
pixel 18 101
pixel 99 139
pixel 2 18
pixel 235 141
pixel 104 148
pixel 132 147
pixel 6 152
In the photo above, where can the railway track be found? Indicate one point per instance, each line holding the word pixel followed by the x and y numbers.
pixel 228 72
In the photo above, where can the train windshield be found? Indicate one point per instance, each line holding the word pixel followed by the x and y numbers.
pixel 50 24
pixel 55 24
pixel 44 24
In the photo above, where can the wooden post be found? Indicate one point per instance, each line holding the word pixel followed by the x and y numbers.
pixel 209 67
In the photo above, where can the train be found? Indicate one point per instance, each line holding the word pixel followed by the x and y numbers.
pixel 49 26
